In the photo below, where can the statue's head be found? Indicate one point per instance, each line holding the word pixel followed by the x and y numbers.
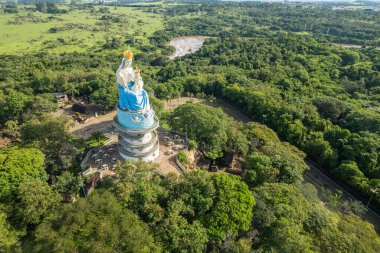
pixel 127 59
pixel 126 63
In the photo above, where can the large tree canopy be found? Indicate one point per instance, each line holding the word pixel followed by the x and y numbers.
pixel 216 206
pixel 210 127
pixel 35 200
pixel 95 224
pixel 280 211
pixel 18 165
pixel 8 235
pixel 231 212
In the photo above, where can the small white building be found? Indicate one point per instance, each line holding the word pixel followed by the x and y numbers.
pixel 60 97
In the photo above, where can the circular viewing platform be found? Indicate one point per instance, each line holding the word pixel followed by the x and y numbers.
pixel 135 132
pixel 136 120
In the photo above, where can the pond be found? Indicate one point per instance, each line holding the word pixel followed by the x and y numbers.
pixel 186 45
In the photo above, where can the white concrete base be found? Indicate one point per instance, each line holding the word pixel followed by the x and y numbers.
pixel 140 141
pixel 139 150
pixel 150 158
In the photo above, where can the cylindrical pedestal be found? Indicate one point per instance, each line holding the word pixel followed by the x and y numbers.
pixel 138 144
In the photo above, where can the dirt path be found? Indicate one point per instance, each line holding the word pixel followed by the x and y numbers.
pixel 94 124
pixel 351 45
pixel 172 104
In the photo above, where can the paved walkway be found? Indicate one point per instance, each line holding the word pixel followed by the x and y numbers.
pixel 94 124
pixel 166 160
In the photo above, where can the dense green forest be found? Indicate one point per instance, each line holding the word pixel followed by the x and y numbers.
pixel 318 97
pixel 274 62
pixel 308 94
pixel 261 20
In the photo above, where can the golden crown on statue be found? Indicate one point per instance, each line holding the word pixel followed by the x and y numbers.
pixel 128 54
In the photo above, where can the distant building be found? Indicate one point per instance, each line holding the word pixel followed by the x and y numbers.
pixel 60 97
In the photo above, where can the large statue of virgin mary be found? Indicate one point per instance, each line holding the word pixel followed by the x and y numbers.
pixel 133 110
pixel 132 96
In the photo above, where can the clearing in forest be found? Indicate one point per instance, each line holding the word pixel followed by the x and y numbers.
pixel 78 30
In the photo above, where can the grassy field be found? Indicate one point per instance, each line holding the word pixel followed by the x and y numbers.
pixel 77 30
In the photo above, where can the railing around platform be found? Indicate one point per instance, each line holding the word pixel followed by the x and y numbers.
pixel 87 167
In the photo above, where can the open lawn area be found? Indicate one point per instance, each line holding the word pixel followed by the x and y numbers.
pixel 78 30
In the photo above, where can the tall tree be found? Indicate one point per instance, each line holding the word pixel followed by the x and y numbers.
pixel 18 165
pixel 232 208
pixel 95 224
pixel 14 105
pixel 71 88
pixel 8 235
pixel 35 201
